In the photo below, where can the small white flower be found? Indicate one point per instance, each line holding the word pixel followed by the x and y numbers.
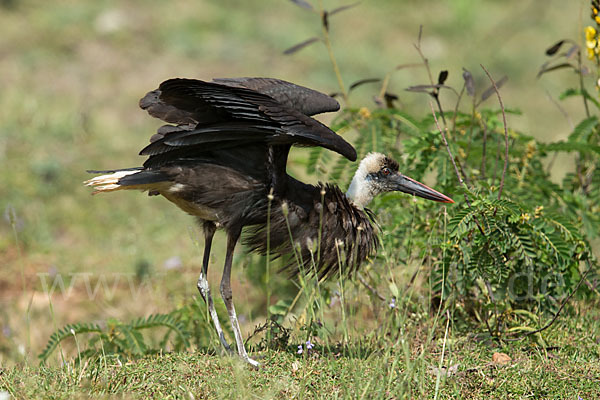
pixel 295 366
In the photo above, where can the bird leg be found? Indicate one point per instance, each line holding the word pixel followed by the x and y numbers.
pixel 232 238
pixel 203 288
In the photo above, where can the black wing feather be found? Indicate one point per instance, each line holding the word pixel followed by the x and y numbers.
pixel 217 106
pixel 305 100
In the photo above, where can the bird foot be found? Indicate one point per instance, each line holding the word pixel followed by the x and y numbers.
pixel 252 362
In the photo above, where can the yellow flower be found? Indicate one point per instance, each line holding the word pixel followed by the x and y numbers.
pixel 364 112
pixel 597 19
pixel 590 53
pixel 591 41
pixel 530 149
pixel 590 35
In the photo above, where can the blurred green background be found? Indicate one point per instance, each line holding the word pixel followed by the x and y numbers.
pixel 72 73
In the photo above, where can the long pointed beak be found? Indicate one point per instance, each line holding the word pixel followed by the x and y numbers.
pixel 410 186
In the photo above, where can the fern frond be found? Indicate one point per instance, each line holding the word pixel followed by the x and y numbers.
pixel 577 92
pixel 522 245
pixel 584 129
pixel 506 205
pixel 162 320
pixel 314 158
pixel 460 222
pixel 554 243
pixel 563 225
pixel 65 332
pixel 581 147
pixel 134 339
pixel 409 124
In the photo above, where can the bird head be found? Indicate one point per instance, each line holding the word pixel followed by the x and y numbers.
pixel 378 173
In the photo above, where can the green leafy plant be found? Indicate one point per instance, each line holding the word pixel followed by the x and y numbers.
pixel 517 243
pixel 185 327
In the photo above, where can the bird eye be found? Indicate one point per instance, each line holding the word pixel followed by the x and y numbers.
pixel 385 171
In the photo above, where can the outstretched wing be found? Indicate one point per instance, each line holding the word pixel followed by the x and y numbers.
pixel 300 98
pixel 234 113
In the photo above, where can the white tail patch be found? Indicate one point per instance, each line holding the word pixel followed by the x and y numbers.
pixel 109 182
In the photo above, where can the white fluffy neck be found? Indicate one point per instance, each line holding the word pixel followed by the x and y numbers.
pixel 360 191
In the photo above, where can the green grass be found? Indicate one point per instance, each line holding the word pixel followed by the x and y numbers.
pixel 71 105
pixel 367 367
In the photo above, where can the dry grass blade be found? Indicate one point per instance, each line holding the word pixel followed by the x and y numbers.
pixel 545 68
pixel 497 85
pixel 301 45
pixel 304 4
pixel 343 8
pixel 363 82
pixel 572 51
pixel 412 65
pixel 424 88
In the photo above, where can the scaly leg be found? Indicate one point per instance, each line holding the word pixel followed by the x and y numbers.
pixel 232 238
pixel 203 288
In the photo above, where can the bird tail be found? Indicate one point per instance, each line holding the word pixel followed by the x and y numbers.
pixel 129 178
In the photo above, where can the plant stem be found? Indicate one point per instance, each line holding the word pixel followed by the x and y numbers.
pixel 460 180
pixel 436 92
pixel 562 305
pixel 581 85
pixel 441 363
pixel 505 131
pixel 483 150
pixel 369 287
pixel 334 63
pixel 454 115
pixel 12 217
pixel 268 260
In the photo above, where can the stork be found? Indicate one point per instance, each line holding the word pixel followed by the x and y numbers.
pixel 222 158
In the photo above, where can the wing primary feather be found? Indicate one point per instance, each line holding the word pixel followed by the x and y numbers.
pixel 268 110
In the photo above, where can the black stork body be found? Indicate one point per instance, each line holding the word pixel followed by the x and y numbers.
pixel 222 158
